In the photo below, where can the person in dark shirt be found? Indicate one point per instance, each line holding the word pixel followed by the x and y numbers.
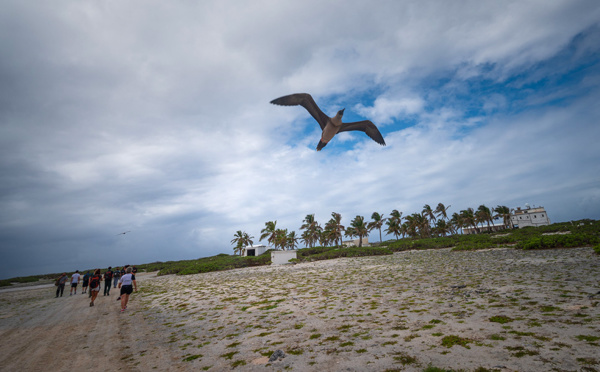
pixel 108 275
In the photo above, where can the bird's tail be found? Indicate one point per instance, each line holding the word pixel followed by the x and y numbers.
pixel 321 145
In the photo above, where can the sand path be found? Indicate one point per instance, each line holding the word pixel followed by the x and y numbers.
pixel 39 332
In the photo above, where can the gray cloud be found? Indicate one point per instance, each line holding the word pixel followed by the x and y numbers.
pixel 154 117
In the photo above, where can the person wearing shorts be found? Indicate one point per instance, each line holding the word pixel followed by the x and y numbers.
pixel 95 281
pixel 84 285
pixel 127 284
pixel 74 281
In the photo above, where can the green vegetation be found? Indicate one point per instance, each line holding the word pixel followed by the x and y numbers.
pixel 22 279
pixel 502 319
pixel 192 357
pixel 449 341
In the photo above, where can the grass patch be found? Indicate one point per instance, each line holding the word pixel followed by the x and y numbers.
pixel 587 338
pixel 502 319
pixel 451 340
pixel 192 357
pixel 405 359
pixel 520 351
pixel 229 355
pixel 238 363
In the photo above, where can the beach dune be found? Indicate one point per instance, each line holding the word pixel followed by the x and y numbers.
pixel 497 309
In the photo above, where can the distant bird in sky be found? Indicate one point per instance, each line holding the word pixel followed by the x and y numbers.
pixel 329 126
pixel 123 233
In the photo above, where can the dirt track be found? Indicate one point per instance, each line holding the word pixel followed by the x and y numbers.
pixel 39 332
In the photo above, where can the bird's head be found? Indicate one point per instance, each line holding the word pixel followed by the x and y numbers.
pixel 341 113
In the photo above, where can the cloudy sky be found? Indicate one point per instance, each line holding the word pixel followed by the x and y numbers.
pixel 153 117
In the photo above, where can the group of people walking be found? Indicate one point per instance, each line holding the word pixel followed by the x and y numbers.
pixel 124 279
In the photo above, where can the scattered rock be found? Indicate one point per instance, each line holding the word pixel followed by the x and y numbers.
pixel 277 355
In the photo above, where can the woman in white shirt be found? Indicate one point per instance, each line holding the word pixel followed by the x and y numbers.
pixel 127 284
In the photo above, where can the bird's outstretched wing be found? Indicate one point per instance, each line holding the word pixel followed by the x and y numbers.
pixel 366 126
pixel 306 101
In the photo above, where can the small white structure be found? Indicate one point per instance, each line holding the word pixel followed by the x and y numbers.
pixel 282 257
pixel 355 242
pixel 255 250
pixel 535 216
pixel 483 228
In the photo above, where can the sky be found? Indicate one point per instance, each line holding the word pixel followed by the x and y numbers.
pixel 153 117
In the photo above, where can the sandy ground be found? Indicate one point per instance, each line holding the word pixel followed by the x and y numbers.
pixel 500 309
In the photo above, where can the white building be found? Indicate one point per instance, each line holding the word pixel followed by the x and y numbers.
pixel 355 242
pixel 282 257
pixel 483 228
pixel 255 250
pixel 535 216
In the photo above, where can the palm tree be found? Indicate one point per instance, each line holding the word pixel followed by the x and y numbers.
pixel 269 232
pixel 280 240
pixel 292 240
pixel 377 223
pixel 241 240
pixel 485 215
pixel 395 215
pixel 306 238
pixel 335 228
pixel 312 228
pixel 325 238
pixel 442 227
pixel 504 213
pixel 469 219
pixel 360 228
pixel 393 227
pixel 457 222
pixel 442 210
pixel 428 212
pixel 350 232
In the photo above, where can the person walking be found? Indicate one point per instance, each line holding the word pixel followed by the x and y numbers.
pixel 127 284
pixel 60 284
pixel 123 272
pixel 108 275
pixel 74 281
pixel 86 280
pixel 95 285
pixel 116 276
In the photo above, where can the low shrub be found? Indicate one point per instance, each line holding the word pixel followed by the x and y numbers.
pixel 20 279
pixel 559 241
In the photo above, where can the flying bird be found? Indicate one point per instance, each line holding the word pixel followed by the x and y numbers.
pixel 329 125
pixel 123 233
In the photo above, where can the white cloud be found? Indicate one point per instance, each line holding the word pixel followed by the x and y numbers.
pixel 386 110
pixel 154 117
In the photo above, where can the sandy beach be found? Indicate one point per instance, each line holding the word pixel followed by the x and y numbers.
pixel 499 309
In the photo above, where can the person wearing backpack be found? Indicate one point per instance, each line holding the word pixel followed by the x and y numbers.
pixel 60 284
pixel 107 281
pixel 95 285
pixel 116 276
pixel 86 281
